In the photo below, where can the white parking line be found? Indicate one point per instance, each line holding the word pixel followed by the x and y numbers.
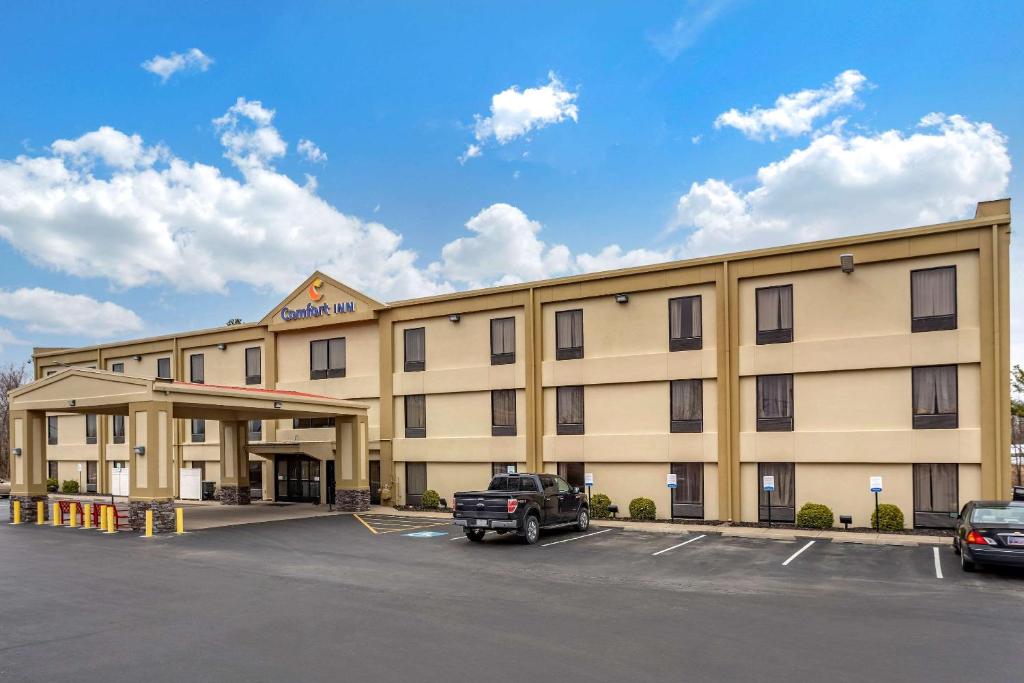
pixel 576 538
pixel 797 553
pixel 938 565
pixel 680 545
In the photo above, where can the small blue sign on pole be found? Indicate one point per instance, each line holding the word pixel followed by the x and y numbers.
pixel 768 482
pixel 672 481
pixel 876 484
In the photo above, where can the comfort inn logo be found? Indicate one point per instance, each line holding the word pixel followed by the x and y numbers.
pixel 314 290
pixel 317 311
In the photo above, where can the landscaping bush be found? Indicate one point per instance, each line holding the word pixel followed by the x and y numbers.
pixel 814 516
pixel 890 518
pixel 69 486
pixel 430 499
pixel 599 503
pixel 52 485
pixel 642 508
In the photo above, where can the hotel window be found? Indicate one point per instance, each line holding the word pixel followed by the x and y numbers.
pixel 503 468
pixel 684 323
pixel 327 358
pixel 936 495
pixel 117 367
pixel 253 371
pixel 51 469
pixel 503 341
pixel 415 349
pixel 117 432
pixel 415 482
pixel 312 423
pixel 198 431
pixel 163 368
pixel 569 334
pixel 775 314
pixel 572 473
pixel 197 368
pixel 503 412
pixel 90 476
pixel 783 497
pixel 255 430
pixel 51 430
pixel 935 397
pixel 90 429
pixel 569 406
pixel 688 495
pixel 415 416
pixel 686 397
pixel 933 299
pixel 775 403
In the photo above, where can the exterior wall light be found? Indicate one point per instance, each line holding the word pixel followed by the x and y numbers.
pixel 846 263
pixel 137 357
pixel 17 452
pixel 71 403
pixel 140 450
pixel 222 346
pixel 277 404
pixel 622 298
pixel 455 317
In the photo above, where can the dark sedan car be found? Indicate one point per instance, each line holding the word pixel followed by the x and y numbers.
pixel 990 532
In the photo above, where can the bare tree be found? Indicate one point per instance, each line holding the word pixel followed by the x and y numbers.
pixel 1017 424
pixel 12 376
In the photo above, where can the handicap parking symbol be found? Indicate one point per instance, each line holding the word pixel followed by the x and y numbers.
pixel 426 534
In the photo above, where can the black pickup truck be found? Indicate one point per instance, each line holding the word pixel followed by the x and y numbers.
pixel 521 503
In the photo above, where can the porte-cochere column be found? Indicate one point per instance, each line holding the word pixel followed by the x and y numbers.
pixel 234 462
pixel 28 470
pixel 351 464
pixel 150 427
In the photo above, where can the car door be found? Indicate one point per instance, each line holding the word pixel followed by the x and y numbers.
pixel 567 501
pixel 547 482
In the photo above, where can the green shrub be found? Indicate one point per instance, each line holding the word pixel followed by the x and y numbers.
pixel 52 485
pixel 599 503
pixel 430 499
pixel 642 508
pixel 814 516
pixel 890 518
pixel 69 486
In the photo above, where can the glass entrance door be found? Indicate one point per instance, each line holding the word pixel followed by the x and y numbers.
pixel 297 478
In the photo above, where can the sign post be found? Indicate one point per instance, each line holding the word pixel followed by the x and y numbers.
pixel 876 488
pixel 768 484
pixel 588 481
pixel 672 481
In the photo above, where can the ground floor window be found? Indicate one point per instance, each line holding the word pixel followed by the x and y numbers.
pixel 51 469
pixel 572 472
pixel 256 480
pixel 90 476
pixel 936 495
pixel 415 482
pixel 688 495
pixel 502 468
pixel 783 498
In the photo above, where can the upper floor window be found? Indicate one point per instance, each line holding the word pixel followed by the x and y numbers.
pixel 327 358
pixel 163 368
pixel 569 409
pixel 933 299
pixel 775 314
pixel 503 341
pixel 935 397
pixel 253 371
pixel 312 422
pixel 51 430
pixel 415 349
pixel 687 405
pixel 117 367
pixel 198 431
pixel 90 429
pixel 117 432
pixel 569 334
pixel 197 368
pixel 775 403
pixel 503 412
pixel 415 416
pixel 255 430
pixel 684 323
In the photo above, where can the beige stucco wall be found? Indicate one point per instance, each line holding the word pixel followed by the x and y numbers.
pixel 145 367
pixel 448 477
pixel 624 481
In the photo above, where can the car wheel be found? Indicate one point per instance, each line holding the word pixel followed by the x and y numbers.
pixel 582 520
pixel 475 535
pixel 531 530
pixel 966 564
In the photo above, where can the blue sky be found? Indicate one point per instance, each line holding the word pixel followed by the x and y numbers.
pixel 604 150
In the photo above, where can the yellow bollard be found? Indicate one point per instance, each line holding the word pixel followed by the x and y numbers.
pixel 55 515
pixel 73 512
pixel 17 512
pixel 179 520
pixel 87 515
pixel 149 523
pixel 103 518
pixel 40 512
pixel 111 529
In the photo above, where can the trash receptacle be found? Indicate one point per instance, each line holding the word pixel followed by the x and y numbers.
pixel 209 488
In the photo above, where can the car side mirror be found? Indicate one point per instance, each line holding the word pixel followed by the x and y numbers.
pixel 575 489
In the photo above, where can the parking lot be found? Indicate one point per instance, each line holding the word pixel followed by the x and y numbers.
pixel 342 597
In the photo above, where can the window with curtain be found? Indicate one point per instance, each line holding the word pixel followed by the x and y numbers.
pixel 503 412
pixel 933 299
pixel 415 416
pixel 415 482
pixel 572 473
pixel 253 365
pixel 774 314
pixel 416 349
pixel 255 430
pixel 934 397
pixel 51 469
pixel 936 495
pixel 569 406
pixel 502 468
pixel 198 431
pixel 684 323
pixel 327 358
pixel 117 367
pixel 163 368
pixel 783 498
pixel 117 429
pixel 51 430
pixel 775 403
pixel 90 429
pixel 569 334
pixel 90 476
pixel 503 341
pixel 197 368
pixel 688 496
pixel 686 405
pixel 312 422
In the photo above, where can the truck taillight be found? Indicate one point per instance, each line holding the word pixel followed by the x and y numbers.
pixel 513 505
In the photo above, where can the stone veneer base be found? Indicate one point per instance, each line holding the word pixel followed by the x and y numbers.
pixel 234 495
pixel 163 514
pixel 352 500
pixel 29 505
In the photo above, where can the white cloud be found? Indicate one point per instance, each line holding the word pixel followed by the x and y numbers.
pixel 248 134
pixel 795 113
pixel 515 112
pixel 8 338
pixel 49 312
pixel 696 18
pixel 165 67
pixel 308 149
pixel 110 146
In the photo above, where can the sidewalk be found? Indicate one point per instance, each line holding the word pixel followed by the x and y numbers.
pixel 867 538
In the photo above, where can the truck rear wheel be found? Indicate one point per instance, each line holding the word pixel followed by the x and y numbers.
pixel 531 530
pixel 475 535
